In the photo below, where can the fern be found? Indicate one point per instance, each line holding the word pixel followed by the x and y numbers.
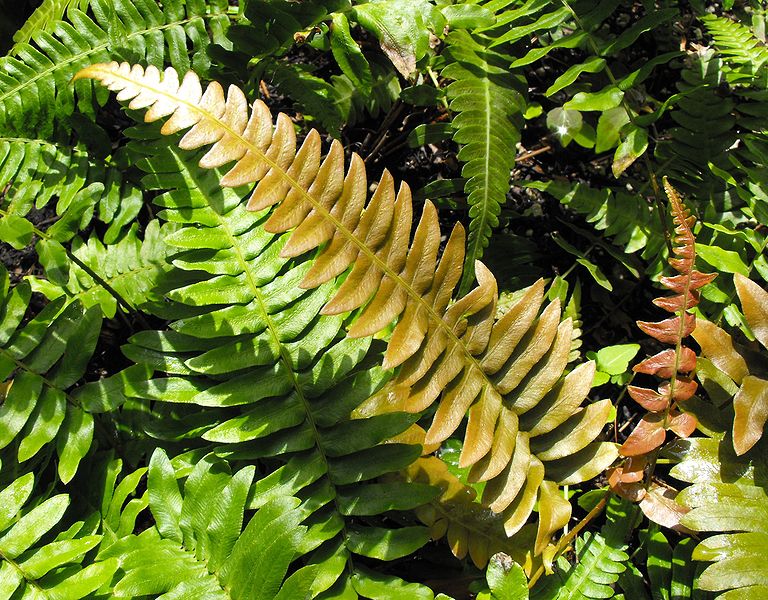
pixel 256 371
pixel 129 273
pixel 199 547
pixel 37 173
pixel 601 558
pixel 737 44
pixel 43 19
pixel 35 83
pixel 488 101
pixel 390 280
pixel 40 361
pixel 32 561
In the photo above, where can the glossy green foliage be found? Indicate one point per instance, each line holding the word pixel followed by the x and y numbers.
pixel 602 558
pixel 42 356
pixel 206 543
pixel 39 173
pixel 253 369
pixel 38 558
pixel 487 101
pixel 36 92
pixel 44 18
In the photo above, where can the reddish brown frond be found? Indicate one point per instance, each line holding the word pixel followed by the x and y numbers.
pixel 674 365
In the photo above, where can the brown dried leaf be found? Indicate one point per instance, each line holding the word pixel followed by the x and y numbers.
pixel 660 507
pixel 717 346
pixel 649 399
pixel 751 407
pixel 683 424
pixel 754 303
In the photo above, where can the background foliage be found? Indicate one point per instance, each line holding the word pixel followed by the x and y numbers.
pixel 310 387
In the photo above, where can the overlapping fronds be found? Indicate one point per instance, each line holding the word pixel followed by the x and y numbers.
pixel 41 358
pixel 36 88
pixel 704 127
pixel 737 43
pixel 525 425
pixel 32 561
pixel 132 269
pixel 674 365
pixel 740 557
pixel 741 369
pixel 488 101
pixel 44 18
pixel 206 544
pixel 626 218
pixel 37 173
pixel 254 369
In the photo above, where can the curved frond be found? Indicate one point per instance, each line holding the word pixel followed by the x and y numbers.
pixel 32 560
pixel 35 83
pixel 737 43
pixel 506 373
pixel 40 360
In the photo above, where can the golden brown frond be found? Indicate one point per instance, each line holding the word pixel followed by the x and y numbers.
pixel 526 430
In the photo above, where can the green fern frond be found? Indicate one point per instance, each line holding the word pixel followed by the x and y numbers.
pixel 36 90
pixel 134 268
pixel 254 357
pixel 704 128
pixel 736 43
pixel 37 173
pixel 201 545
pixel 40 360
pixel 601 558
pixel 35 563
pixel 488 101
pixel 740 558
pixel 43 19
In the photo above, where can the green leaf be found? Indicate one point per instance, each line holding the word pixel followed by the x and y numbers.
pixel 429 133
pixel 564 123
pixel 378 586
pixel 348 55
pixel 402 28
pixel 659 564
pixel 467 16
pixel 83 583
pixel 608 126
pixel 632 147
pixel 165 499
pixel 57 553
pixel 506 578
pixel 606 99
pixel 18 405
pixel 54 260
pixel 33 525
pixel 16 231
pixel 13 497
pixel 73 441
pixel 614 360
pixel 376 498
pixel 386 544
pixel 593 64
pixel 726 261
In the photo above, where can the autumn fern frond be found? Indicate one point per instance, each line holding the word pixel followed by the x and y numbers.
pixel 674 365
pixel 526 423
